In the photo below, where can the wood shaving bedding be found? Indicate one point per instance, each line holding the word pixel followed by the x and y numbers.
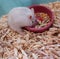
pixel 31 45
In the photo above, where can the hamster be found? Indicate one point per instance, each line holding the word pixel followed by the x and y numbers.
pixel 20 17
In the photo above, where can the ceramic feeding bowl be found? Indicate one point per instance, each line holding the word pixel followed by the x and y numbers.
pixel 41 9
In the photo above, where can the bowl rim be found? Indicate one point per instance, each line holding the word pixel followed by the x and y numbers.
pixel 42 29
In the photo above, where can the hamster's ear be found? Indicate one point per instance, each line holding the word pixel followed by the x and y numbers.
pixel 32 10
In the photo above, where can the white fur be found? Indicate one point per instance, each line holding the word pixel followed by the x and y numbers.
pixel 19 17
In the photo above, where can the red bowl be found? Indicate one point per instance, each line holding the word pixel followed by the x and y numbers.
pixel 44 9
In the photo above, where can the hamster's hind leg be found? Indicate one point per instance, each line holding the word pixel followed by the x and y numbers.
pixel 19 30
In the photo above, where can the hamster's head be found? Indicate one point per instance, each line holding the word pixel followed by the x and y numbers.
pixel 31 16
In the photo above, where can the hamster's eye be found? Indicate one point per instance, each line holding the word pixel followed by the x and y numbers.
pixel 30 17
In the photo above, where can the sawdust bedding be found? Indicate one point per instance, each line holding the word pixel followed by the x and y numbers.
pixel 31 45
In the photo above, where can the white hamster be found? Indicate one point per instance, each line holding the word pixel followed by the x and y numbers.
pixel 19 17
